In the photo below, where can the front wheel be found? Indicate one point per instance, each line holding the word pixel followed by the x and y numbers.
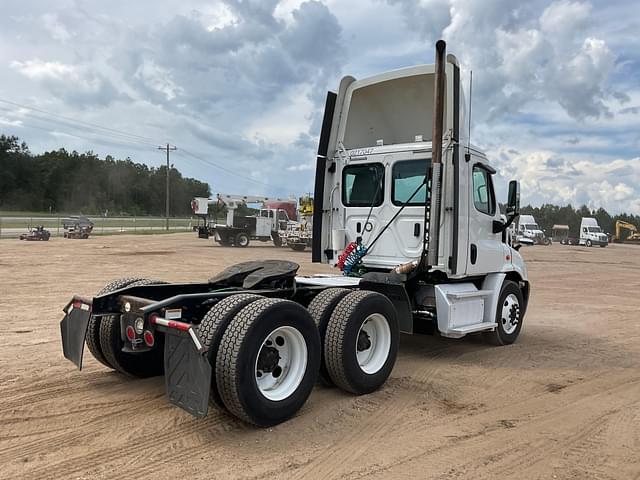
pixel 589 243
pixel 268 361
pixel 509 315
pixel 242 240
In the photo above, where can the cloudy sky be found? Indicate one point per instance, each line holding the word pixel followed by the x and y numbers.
pixel 239 86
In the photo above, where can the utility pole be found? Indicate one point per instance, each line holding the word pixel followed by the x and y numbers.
pixel 168 148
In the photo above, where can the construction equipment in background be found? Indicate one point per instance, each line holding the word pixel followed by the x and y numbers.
pixel 298 235
pixel 77 227
pixel 36 234
pixel 264 226
pixel 633 237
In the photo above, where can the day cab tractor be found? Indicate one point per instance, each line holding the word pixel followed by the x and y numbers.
pixel 403 206
pixel 36 234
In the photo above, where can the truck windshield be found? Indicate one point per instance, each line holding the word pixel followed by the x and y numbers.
pixel 595 229
pixel 532 226
pixel 363 185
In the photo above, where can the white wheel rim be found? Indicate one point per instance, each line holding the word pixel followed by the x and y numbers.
pixel 510 315
pixel 243 240
pixel 373 343
pixel 283 375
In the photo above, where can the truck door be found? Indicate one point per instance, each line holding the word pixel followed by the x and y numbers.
pixel 486 249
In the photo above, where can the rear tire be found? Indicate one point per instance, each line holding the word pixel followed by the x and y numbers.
pixel 321 308
pixel 361 342
pixel 298 247
pixel 147 364
pixel 509 315
pixel 242 240
pixel 212 328
pixel 268 361
pixel 92 337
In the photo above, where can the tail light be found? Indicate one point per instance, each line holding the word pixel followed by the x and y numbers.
pixel 131 333
pixel 148 338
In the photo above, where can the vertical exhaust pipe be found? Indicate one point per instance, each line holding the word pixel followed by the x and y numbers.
pixel 436 156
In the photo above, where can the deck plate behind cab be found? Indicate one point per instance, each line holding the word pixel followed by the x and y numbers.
pixel 252 274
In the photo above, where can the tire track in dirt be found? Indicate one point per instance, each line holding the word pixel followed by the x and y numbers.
pixel 163 445
pixel 522 453
pixel 377 422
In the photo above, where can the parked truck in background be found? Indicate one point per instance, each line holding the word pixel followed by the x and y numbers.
pixel 529 228
pixel 591 233
pixel 404 207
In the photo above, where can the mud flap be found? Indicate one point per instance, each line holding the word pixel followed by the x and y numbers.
pixel 73 329
pixel 187 373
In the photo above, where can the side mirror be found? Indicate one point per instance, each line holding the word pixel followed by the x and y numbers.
pixel 513 199
pixel 513 208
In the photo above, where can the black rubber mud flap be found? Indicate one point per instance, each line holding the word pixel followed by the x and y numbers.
pixel 187 373
pixel 73 329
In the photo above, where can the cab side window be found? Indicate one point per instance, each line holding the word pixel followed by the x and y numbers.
pixel 483 196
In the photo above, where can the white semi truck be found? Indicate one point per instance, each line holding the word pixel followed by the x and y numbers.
pixel 529 228
pixel 591 233
pixel 403 206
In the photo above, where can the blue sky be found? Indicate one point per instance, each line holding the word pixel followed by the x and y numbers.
pixel 240 84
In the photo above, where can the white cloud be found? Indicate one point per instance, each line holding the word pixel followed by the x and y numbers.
pixel 242 83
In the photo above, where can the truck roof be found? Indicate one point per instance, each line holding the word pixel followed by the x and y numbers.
pixel 589 222
pixel 395 107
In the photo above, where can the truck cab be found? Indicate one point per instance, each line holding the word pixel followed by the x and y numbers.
pixel 374 189
pixel 591 233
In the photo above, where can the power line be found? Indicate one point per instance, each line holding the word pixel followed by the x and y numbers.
pixel 231 172
pixel 89 124
pixel 102 140
pixel 88 130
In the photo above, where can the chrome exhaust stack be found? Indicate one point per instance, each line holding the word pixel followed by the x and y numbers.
pixel 436 155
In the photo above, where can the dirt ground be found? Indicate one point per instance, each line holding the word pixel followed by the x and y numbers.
pixel 563 402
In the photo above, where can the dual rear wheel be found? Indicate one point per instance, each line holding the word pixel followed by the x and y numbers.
pixel 265 353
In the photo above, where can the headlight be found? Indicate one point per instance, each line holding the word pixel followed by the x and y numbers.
pixel 139 325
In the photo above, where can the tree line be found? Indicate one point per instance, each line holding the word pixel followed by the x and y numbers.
pixel 549 215
pixel 71 182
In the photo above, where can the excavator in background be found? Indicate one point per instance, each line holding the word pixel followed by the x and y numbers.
pixel 634 235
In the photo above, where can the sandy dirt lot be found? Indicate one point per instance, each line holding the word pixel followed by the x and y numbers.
pixel 563 402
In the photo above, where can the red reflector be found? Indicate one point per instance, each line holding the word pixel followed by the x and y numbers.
pixel 77 304
pixel 131 333
pixel 152 318
pixel 148 338
pixel 179 325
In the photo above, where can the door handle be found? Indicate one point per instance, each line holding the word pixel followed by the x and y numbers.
pixel 416 229
pixel 474 253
